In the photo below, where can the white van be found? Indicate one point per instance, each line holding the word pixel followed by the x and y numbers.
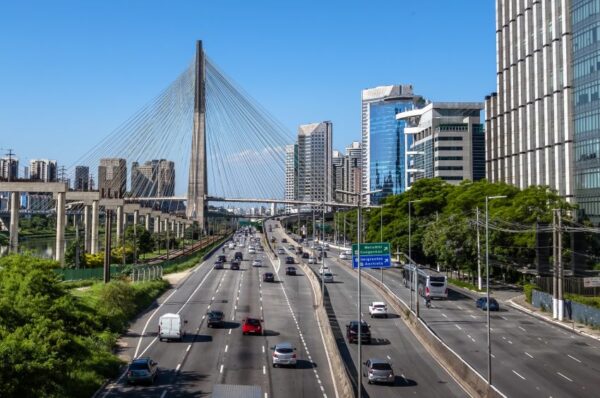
pixel 170 327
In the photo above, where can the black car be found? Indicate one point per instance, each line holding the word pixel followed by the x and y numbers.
pixel 222 259
pixel 268 277
pixel 142 370
pixel 290 271
pixel 289 260
pixel 352 332
pixel 238 256
pixel 215 318
pixel 235 265
pixel 305 255
pixel 283 240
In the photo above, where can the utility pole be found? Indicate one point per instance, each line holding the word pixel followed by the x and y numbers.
pixel 107 244
pixel 555 265
pixel 10 157
pixel 479 281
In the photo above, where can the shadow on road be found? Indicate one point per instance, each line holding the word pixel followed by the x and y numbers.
pixel 304 364
pixel 268 332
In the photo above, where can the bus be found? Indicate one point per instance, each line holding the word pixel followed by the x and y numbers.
pixel 430 283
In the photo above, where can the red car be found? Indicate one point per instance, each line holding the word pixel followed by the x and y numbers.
pixel 252 326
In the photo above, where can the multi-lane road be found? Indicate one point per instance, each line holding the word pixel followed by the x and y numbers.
pixel 530 357
pixel 209 356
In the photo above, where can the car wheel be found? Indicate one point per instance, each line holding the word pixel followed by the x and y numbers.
pixel 386 315
pixel 274 365
pixel 370 382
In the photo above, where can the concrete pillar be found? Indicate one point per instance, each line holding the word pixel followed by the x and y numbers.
pixel 136 217
pixel 95 222
pixel 119 224
pixel 157 224
pixel 14 222
pixel 178 230
pixel 60 228
pixel 147 222
pixel 86 227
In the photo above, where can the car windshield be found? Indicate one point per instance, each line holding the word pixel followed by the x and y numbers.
pixel 253 322
pixel 379 306
pixel 215 314
pixel 285 350
pixel 437 279
pixel 138 365
pixel 382 366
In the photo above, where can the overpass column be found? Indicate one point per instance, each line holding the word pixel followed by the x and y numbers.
pixel 86 226
pixel 136 217
pixel 178 230
pixel 157 224
pixel 95 221
pixel 60 228
pixel 119 223
pixel 14 222
pixel 147 222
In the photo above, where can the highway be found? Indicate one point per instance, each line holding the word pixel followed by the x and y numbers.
pixel 209 356
pixel 530 357
pixel 417 372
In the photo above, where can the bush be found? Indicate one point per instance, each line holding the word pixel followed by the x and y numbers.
pixel 585 300
pixel 528 290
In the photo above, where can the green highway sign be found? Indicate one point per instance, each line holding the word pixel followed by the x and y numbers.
pixel 370 249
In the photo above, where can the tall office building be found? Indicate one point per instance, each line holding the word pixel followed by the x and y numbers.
pixel 337 163
pixel 352 171
pixel 9 168
pixel 155 178
pixel 112 178
pixel 82 178
pixel 315 182
pixel 546 100
pixel 383 141
pixel 43 170
pixel 447 142
pixel 291 174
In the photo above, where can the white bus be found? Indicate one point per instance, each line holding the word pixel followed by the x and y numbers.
pixel 430 283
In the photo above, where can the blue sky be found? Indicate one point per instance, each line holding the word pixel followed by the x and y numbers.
pixel 72 71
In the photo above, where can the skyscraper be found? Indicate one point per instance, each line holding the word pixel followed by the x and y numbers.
pixel 155 178
pixel 43 170
pixel 337 163
pixel 291 174
pixel 352 171
pixel 315 162
pixel 82 178
pixel 383 141
pixel 112 178
pixel 9 168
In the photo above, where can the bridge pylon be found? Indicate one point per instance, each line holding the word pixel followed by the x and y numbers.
pixel 197 206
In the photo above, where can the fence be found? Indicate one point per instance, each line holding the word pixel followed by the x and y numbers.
pixel 573 285
pixel 146 273
pixel 72 274
pixel 579 312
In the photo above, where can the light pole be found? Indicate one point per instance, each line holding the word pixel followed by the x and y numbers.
pixel 487 282
pixel 414 273
pixel 359 300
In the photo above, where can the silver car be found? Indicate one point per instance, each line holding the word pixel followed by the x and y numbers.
pixel 328 277
pixel 284 354
pixel 378 371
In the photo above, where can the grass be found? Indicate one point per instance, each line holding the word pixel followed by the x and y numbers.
pixel 183 263
pixel 586 300
pixel 463 284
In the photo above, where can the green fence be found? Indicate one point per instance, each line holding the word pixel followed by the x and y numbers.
pixel 69 274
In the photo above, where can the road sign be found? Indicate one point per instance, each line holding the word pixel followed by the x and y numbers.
pixel 591 282
pixel 372 255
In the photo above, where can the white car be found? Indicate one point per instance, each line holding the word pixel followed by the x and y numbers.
pixel 346 255
pixel 231 245
pixel 281 250
pixel 324 270
pixel 257 262
pixel 312 260
pixel 328 277
pixel 252 251
pixel 378 308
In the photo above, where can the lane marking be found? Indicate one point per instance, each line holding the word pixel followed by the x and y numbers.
pixel 221 371
pixel 188 348
pixel 444 315
pixel 519 375
pixel 459 328
pixel 529 355
pixel 177 368
pixel 573 358
pixel 522 328
pixel 264 370
pixel 263 349
pixel 226 347
pixel 560 374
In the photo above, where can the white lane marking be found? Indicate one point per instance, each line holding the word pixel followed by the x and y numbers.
pixel 459 328
pixel 221 371
pixel 263 349
pixel 188 348
pixel 226 347
pixel 529 355
pixel 522 328
pixel 444 315
pixel 177 368
pixel 135 355
pixel 493 356
pixel 573 358
pixel 503 318
pixel 509 342
pixel 163 394
pixel 213 297
pixel 264 370
pixel 229 331
pixel 388 357
pixel 195 290
pixel 560 374
pixel 473 316
pixel 519 375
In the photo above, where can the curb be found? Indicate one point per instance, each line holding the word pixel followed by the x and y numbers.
pixel 546 319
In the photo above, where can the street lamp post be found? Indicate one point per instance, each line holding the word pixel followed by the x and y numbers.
pixel 359 300
pixel 414 273
pixel 487 282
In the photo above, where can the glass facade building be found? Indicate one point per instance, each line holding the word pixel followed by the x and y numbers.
pixel 585 16
pixel 384 142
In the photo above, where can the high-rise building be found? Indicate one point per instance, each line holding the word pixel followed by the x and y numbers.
pixel 543 123
pixel 43 170
pixel 448 142
pixel 155 178
pixel 337 163
pixel 82 178
pixel 315 182
pixel 352 180
pixel 112 178
pixel 9 168
pixel 291 174
pixel 383 140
